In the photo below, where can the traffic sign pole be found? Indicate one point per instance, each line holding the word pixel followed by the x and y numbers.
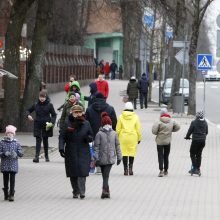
pixel 204 91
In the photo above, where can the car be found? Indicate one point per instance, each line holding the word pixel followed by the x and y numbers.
pixel 212 75
pixel 167 86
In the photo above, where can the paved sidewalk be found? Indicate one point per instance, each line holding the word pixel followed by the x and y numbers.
pixel 44 192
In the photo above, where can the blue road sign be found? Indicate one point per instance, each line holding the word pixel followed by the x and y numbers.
pixel 149 20
pixel 204 61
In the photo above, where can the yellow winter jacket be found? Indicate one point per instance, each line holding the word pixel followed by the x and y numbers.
pixel 129 132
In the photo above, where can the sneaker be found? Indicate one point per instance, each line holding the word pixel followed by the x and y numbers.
pixel 165 173
pixel 75 196
pixel 160 174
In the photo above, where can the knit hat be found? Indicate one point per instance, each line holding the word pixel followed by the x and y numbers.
pixel 70 94
pixel 10 129
pixel 77 108
pixel 99 95
pixel 77 96
pixel 163 111
pixel 129 106
pixel 105 119
pixel 200 114
pixel 133 77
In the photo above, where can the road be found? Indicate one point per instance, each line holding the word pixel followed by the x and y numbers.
pixel 212 96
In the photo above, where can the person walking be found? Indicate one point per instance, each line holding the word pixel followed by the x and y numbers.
pixel 106 147
pixel 113 68
pixel 93 93
pixel 129 132
pixel 67 108
pixel 74 142
pixel 10 150
pixel 43 123
pixel 132 91
pixel 120 72
pixel 143 85
pixel 102 86
pixel 93 115
pixel 106 70
pixel 199 130
pixel 163 130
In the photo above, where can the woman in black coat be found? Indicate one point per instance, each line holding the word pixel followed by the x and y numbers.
pixel 43 123
pixel 74 147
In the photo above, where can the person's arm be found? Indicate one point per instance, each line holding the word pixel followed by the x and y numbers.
pixel 155 128
pixel 118 126
pixel 114 119
pixel 53 114
pixel 190 130
pixel 97 143
pixel 19 150
pixel 138 129
pixel 106 89
pixel 176 127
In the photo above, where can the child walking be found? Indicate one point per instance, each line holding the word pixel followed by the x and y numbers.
pixel 199 130
pixel 163 130
pixel 10 150
pixel 106 147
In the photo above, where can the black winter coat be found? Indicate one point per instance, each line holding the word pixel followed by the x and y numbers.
pixel 75 144
pixel 93 114
pixel 199 130
pixel 143 84
pixel 44 112
pixel 132 89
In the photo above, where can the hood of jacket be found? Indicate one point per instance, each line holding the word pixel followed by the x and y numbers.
pixel 132 80
pixel 93 87
pixel 99 105
pixel 127 115
pixel 165 119
pixel 144 77
pixel 76 84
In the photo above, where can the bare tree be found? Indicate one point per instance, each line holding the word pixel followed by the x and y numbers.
pixel 44 14
pixel 12 61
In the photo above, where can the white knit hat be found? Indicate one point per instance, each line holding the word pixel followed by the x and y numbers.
pixel 129 106
pixel 163 111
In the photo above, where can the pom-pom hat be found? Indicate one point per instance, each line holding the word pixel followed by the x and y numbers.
pixel 10 129
pixel 105 119
pixel 129 106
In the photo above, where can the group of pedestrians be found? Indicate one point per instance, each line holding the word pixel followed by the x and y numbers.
pixel 114 140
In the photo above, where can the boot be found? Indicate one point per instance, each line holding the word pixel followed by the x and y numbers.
pixel 11 196
pixel 5 193
pixel 47 159
pixel 131 169
pixel 107 193
pixel 126 171
pixel 36 159
pixel 103 193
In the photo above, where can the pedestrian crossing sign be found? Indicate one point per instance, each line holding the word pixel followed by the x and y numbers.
pixel 204 61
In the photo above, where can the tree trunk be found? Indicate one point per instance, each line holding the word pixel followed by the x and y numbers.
pixel 12 62
pixel 131 23
pixel 35 70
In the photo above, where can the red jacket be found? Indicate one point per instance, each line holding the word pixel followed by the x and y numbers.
pixel 106 69
pixel 102 86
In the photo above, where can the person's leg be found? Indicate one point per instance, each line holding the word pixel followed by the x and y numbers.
pixel 82 186
pixel 193 151
pixel 201 145
pixel 160 159
pixel 141 99
pixel 5 183
pixel 46 146
pixel 105 174
pixel 74 184
pixel 125 163
pixel 166 158
pixel 145 100
pixel 38 147
pixel 12 186
pixel 135 103
pixel 131 162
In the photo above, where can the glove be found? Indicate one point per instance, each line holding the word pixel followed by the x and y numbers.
pixel 14 154
pixel 49 125
pixel 7 154
pixel 97 163
pixel 30 118
pixel 139 142
pixel 118 162
pixel 62 153
pixel 187 138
